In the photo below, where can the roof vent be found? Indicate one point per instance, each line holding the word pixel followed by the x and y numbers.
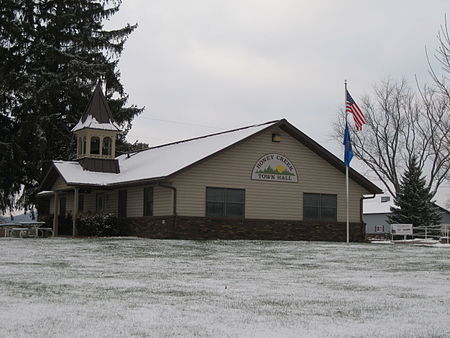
pixel 276 138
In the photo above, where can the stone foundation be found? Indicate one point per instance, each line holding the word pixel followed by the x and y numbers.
pixel 184 227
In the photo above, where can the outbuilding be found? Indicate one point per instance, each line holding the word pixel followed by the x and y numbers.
pixel 264 181
pixel 376 216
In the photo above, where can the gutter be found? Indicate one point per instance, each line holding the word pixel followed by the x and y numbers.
pixel 361 212
pixel 361 205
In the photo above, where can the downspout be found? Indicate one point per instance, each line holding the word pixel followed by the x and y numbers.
pixel 361 205
pixel 174 202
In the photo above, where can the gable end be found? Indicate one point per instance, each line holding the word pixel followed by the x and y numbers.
pixel 328 156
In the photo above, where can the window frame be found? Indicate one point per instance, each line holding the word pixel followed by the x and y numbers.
pixel 84 145
pixel 148 210
pixel 320 206
pixel 99 196
pixel 95 140
pixel 122 203
pixel 107 146
pixel 81 203
pixel 225 203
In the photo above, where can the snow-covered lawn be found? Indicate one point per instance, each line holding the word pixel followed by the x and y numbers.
pixel 130 287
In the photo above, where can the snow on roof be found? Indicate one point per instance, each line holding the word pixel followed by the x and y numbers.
pixel 92 123
pixel 98 114
pixel 160 161
pixel 45 193
pixel 375 206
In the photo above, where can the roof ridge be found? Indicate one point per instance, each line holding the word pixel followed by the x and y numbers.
pixel 202 137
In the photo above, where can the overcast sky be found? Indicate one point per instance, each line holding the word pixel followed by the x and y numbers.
pixel 199 67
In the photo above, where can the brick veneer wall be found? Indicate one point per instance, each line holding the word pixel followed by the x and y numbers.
pixel 183 227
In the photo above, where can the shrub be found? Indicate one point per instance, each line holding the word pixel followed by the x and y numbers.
pixel 101 225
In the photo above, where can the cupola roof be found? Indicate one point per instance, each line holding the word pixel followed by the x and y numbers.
pixel 97 114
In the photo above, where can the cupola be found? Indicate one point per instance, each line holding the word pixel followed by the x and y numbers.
pixel 96 134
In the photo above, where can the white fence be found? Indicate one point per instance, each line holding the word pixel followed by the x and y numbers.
pixel 441 231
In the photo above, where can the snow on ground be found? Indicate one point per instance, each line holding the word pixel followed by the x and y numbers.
pixel 139 288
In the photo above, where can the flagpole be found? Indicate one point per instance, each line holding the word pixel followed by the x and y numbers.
pixel 346 170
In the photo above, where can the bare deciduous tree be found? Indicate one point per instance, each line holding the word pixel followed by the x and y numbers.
pixel 442 55
pixel 402 123
pixel 441 80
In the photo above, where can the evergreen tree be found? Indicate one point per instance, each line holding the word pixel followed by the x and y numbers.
pixel 413 200
pixel 52 53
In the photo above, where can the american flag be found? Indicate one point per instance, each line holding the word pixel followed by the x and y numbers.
pixel 352 107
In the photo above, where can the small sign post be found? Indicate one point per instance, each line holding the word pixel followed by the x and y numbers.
pixel 401 229
pixel 445 230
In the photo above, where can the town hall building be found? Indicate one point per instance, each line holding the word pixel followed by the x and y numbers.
pixel 264 181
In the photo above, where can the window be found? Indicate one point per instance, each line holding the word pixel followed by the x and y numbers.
pixel 106 149
pixel 276 138
pixel 95 145
pixel 80 203
pixel 379 228
pixel 80 146
pixel 224 202
pixel 84 145
pixel 148 201
pixel 122 207
pixel 100 203
pixel 320 207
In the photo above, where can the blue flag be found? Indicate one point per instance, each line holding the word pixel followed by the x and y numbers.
pixel 348 153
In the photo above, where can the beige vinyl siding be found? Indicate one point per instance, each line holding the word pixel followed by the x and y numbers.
pixel 266 200
pixel 69 202
pixel 59 184
pixel 162 201
pixel 111 201
pixel 135 202
pixel 89 203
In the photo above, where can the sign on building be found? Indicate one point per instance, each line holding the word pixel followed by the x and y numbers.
pixel 402 229
pixel 274 167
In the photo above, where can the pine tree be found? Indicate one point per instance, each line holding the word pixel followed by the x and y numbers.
pixel 52 53
pixel 413 203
